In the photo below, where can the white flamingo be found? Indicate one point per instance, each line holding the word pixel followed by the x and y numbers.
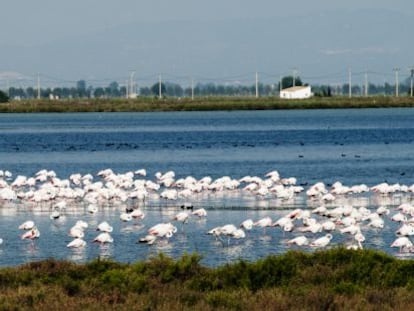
pixel 300 240
pixel 104 238
pixel 323 241
pixel 76 232
pixel 137 214
pixel 105 227
pixel 264 222
pixel 148 239
pixel 27 225
pixel 247 224
pixel 201 212
pixel 31 234
pixel 403 243
pixel 76 243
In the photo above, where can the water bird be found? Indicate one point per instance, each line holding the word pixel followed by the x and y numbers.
pixel 104 238
pixel 104 227
pixel 322 242
pixel 27 225
pixel 54 215
pixel 201 212
pixel 92 209
pixel 247 224
pixel 403 243
pixel 238 234
pixel 181 217
pixel 76 243
pixel 163 230
pixel 31 234
pixel 137 214
pixel 187 206
pixel 76 232
pixel 264 222
pixel 148 239
pixel 300 240
pixel 125 217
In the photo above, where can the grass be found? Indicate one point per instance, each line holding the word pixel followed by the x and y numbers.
pixel 202 104
pixel 336 279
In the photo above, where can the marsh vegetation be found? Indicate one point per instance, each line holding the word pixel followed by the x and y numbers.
pixel 200 104
pixel 335 279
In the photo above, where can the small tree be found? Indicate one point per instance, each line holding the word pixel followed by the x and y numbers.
pixel 288 82
pixel 3 97
pixel 155 89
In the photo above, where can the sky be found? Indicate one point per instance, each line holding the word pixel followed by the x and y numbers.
pixel 101 40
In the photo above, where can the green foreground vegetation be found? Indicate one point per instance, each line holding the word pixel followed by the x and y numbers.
pixel 201 104
pixel 336 279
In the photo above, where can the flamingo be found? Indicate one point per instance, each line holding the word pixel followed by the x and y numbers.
pixel 27 225
pixel 141 172
pixel 81 224
pixel 359 237
pixel 92 209
pixel 264 222
pixel 238 234
pixel 403 243
pixel 399 217
pixel 163 230
pixel 215 231
pixel 137 214
pixel 229 231
pixel 328 225
pixel 247 224
pixel 149 239
pixel 54 215
pixel 405 230
pixel 323 241
pixel 300 240
pixel 125 217
pixel 76 243
pixel 181 217
pixel 201 212
pixel 31 234
pixel 105 227
pixel 103 238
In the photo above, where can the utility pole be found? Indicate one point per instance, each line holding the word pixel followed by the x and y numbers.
pixel 294 76
pixel 397 70
pixel 131 88
pixel 411 84
pixel 159 87
pixel 8 88
pixel 349 83
pixel 366 84
pixel 257 85
pixel 38 86
pixel 126 89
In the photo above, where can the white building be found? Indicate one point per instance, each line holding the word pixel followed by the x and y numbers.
pixel 296 92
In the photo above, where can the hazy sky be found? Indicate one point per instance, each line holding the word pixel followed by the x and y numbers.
pixel 25 21
pixel 31 28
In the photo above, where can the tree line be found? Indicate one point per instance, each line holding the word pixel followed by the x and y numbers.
pixel 170 89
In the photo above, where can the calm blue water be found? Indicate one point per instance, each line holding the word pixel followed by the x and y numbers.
pixel 354 146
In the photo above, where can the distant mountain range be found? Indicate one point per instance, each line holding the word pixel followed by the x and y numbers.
pixel 321 47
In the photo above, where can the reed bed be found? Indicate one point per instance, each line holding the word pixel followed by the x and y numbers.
pixel 336 279
pixel 202 104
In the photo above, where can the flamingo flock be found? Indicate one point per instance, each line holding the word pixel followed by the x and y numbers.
pixel 312 227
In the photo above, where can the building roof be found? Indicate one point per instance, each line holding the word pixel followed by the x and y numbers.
pixel 295 88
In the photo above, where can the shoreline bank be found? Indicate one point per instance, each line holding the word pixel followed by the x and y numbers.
pixel 202 104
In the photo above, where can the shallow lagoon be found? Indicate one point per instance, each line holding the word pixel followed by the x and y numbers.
pixel 354 146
